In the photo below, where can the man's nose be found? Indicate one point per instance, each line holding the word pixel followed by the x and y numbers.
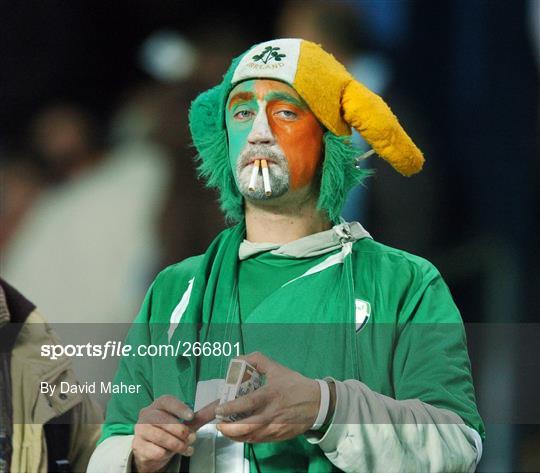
pixel 261 133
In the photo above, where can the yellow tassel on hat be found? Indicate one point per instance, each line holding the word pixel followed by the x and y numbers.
pixel 340 102
pixel 373 119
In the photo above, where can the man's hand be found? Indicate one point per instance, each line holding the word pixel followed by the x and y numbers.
pixel 286 406
pixel 159 434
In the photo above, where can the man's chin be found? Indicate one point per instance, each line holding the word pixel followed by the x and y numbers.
pixel 259 194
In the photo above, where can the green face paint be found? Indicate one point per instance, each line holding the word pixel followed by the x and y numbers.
pixel 242 102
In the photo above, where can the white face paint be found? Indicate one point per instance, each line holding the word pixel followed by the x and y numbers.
pixel 261 132
pixel 262 144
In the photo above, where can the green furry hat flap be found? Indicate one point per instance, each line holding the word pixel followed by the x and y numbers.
pixel 207 124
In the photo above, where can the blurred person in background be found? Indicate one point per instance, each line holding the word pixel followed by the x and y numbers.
pixel 62 141
pixel 66 141
pixel 39 432
pixel 89 244
pixel 98 218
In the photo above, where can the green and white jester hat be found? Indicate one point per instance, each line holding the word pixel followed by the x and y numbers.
pixel 337 100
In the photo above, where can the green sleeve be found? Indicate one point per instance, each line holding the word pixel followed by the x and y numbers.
pixel 123 409
pixel 431 362
pixel 148 327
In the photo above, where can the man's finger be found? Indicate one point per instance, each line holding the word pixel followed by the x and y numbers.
pixel 173 406
pixel 244 428
pixel 203 416
pixel 180 431
pixel 148 451
pixel 163 439
pixel 259 361
pixel 153 415
pixel 244 404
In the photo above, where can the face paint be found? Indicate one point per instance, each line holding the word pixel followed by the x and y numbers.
pixel 295 128
pixel 250 138
pixel 241 109
pixel 267 114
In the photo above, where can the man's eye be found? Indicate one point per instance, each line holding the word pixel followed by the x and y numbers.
pixel 287 114
pixel 243 115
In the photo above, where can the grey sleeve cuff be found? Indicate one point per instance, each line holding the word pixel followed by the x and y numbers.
pixel 372 432
pixel 113 455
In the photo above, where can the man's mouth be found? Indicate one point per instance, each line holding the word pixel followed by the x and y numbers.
pixel 258 158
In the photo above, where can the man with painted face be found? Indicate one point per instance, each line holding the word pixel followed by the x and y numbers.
pixel 360 345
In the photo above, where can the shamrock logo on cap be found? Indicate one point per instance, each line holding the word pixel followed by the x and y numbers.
pixel 268 54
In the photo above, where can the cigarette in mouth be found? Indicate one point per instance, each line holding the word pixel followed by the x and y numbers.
pixel 254 174
pixel 266 178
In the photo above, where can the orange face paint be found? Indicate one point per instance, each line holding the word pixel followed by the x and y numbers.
pixel 295 128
